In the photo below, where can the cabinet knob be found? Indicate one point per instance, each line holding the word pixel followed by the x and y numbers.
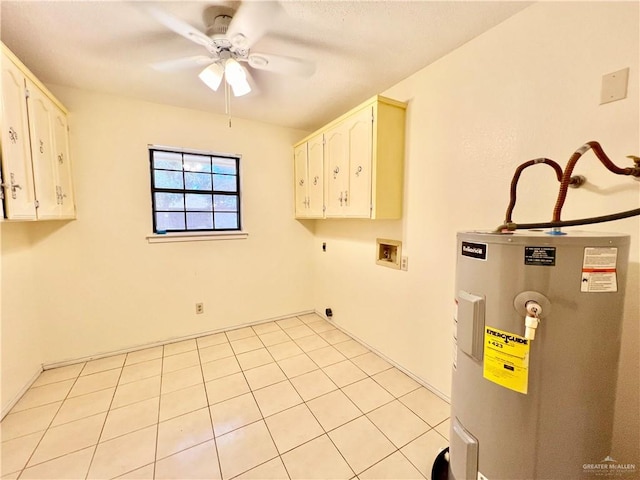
pixel 41 146
pixel 335 172
pixel 301 182
pixel 358 171
pixel 315 180
pixel 13 135
pixel 60 159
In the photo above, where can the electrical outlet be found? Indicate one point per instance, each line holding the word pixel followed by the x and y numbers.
pixel 404 263
pixel 199 308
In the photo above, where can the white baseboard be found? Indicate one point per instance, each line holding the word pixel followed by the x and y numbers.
pixel 7 408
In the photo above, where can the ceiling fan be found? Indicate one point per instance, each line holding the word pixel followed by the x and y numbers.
pixel 229 36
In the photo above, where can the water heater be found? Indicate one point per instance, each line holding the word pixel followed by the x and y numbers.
pixel 538 325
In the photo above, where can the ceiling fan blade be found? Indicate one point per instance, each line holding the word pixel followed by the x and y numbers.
pixel 251 21
pixel 282 64
pixel 179 26
pixel 182 63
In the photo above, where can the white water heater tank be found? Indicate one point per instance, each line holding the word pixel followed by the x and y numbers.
pixel 538 328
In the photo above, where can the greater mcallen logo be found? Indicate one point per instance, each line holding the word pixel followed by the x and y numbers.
pixel 608 467
pixel 474 250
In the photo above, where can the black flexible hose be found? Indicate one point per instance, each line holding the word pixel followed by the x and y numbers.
pixel 569 223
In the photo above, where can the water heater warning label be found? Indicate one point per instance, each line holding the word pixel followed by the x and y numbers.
pixel 506 359
pixel 599 270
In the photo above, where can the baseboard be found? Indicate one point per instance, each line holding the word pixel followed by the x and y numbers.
pixel 135 348
pixel 418 379
pixel 7 408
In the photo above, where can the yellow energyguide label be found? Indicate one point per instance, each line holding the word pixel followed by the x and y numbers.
pixel 506 359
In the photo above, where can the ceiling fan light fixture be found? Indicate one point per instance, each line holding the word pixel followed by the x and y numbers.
pixel 234 71
pixel 240 88
pixel 212 76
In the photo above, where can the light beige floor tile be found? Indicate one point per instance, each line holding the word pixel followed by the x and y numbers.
pixel 95 382
pixel 271 470
pixel 289 322
pixel 103 364
pixel 298 365
pixel 266 328
pixel 240 333
pixel 333 409
pixel 144 355
pixel 318 459
pixel 335 336
pixel 179 347
pixel 58 374
pixel 210 340
pixel 370 363
pixel 310 318
pixel 72 466
pixel 124 454
pixel 136 391
pixel 320 326
pixel 136 416
pixel 312 342
pixel 423 451
pixel 246 344
pixel 396 382
pixel 293 427
pixel 344 373
pixel 183 432
pixel 28 421
pixel 68 438
pixel 215 352
pixel 367 394
pixel 140 371
pixel 443 428
pixel 84 406
pixel 299 332
pixel 197 462
pixel 431 408
pixel 244 449
pixel 398 423
pixel 275 398
pixel 313 384
pixel 226 387
pixel 220 368
pixel 182 401
pixel 38 396
pixel 11 476
pixel 273 338
pixel 264 376
pixel 351 348
pixel 254 358
pixel 180 361
pixel 180 379
pixel 234 413
pixel 142 473
pixel 326 356
pixel 15 453
pixel 284 350
pixel 361 443
pixel 394 467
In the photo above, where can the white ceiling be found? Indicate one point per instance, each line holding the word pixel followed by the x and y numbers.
pixel 360 48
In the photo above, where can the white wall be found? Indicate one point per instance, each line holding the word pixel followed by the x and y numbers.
pixel 528 88
pixel 99 285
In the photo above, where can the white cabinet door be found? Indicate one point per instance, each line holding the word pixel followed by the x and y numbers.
pixel 315 183
pixel 336 156
pixel 16 154
pixel 62 163
pixel 300 172
pixel 360 134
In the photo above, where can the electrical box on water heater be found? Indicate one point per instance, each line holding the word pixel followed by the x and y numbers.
pixel 538 328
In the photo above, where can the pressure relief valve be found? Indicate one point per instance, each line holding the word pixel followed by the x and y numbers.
pixel 532 319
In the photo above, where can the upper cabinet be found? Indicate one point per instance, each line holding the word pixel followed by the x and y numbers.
pixel 362 163
pixel 36 170
pixel 309 178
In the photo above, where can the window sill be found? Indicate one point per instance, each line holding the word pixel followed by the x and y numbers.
pixel 195 236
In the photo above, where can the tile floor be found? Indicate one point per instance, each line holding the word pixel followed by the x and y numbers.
pixel 296 398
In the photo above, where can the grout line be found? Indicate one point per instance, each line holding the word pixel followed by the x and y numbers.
pixel 155 453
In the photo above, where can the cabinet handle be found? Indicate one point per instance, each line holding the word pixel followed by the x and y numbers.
pixel 315 180
pixel 358 170
pixel 301 182
pixel 340 199
pixel 41 146
pixel 60 159
pixel 335 172
pixel 13 135
pixel 345 197
pixel 14 186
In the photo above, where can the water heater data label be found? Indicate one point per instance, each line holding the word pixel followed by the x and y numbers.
pixel 545 256
pixel 506 359
pixel 599 270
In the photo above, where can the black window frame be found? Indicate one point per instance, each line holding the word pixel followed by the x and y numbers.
pixel 184 191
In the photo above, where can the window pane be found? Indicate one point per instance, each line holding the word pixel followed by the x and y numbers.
pixel 197 181
pixel 201 202
pixel 224 165
pixel 200 221
pixel 167 160
pixel 169 201
pixel 169 221
pixel 225 183
pixel 226 220
pixel 165 179
pixel 225 203
pixel 197 163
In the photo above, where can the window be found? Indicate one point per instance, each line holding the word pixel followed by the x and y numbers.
pixel 194 191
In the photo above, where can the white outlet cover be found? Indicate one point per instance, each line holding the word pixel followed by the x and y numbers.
pixel 614 86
